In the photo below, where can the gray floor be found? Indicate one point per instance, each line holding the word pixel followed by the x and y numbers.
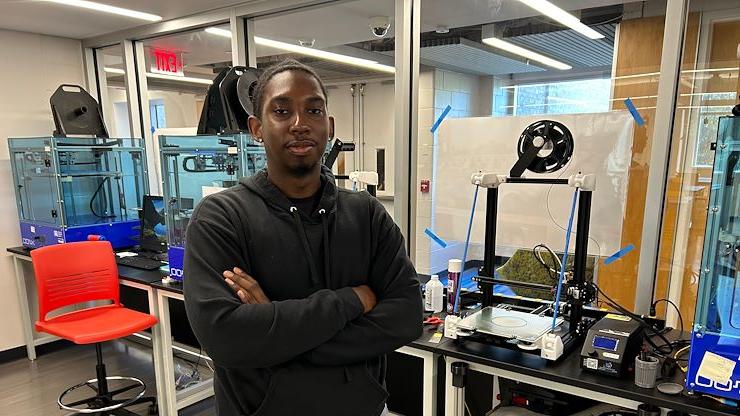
pixel 31 388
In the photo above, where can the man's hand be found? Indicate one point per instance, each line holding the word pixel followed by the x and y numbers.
pixel 367 297
pixel 248 290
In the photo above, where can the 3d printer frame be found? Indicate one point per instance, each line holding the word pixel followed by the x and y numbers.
pixel 577 292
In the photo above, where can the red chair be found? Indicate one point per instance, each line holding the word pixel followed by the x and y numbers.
pixel 72 273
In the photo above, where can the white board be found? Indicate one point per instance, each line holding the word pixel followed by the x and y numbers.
pixel 603 146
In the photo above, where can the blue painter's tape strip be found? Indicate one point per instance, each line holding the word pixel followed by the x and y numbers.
pixel 441 117
pixel 434 237
pixel 619 254
pixel 635 114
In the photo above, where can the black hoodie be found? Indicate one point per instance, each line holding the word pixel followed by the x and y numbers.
pixel 311 350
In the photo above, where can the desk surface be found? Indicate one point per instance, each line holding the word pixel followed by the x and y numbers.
pixel 174 287
pixel 150 277
pixel 23 251
pixel 568 371
pixel 124 272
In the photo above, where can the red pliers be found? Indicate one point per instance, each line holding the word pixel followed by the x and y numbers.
pixel 433 320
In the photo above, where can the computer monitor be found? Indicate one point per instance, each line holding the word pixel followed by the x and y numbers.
pixel 153 228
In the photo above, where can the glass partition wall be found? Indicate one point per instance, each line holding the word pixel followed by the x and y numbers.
pixel 491 69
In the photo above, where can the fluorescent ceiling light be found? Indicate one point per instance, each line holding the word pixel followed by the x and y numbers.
pixel 109 9
pixel 329 56
pixel 561 16
pixel 517 50
pixel 219 32
pixel 316 53
pixel 162 76
pixel 182 79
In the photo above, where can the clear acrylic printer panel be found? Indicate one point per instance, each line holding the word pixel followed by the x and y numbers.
pixel 718 306
pixel 715 341
pixel 73 182
pixel 193 166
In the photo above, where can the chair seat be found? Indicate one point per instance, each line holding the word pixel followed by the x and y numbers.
pixel 98 324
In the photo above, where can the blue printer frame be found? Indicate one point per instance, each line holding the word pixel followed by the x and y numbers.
pixel 68 188
pixel 715 341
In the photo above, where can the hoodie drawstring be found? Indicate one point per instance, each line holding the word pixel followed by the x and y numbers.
pixel 327 250
pixel 306 249
pixel 327 270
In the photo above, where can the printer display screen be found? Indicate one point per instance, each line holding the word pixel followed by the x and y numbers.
pixel 605 343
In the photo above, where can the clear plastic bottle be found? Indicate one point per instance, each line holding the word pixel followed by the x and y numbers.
pixel 433 294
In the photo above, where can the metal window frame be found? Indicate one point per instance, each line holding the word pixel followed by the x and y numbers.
pixel 660 151
pixel 238 26
pixel 408 34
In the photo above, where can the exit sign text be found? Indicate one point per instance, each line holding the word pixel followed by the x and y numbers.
pixel 165 62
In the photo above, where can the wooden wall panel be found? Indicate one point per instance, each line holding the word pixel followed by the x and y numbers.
pixel 638 53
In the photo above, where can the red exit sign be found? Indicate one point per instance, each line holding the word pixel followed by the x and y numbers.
pixel 166 62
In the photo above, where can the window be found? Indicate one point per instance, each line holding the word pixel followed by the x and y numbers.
pixel 113 91
pixel 157 114
pixel 708 115
pixel 180 69
pixel 567 97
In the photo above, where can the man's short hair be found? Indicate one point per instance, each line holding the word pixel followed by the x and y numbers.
pixel 269 73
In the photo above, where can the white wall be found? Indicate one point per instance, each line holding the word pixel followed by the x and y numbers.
pixel 469 96
pixel 181 109
pixel 35 66
pixel 122 126
pixel 379 113
pixel 116 124
pixel 379 127
pixel 424 167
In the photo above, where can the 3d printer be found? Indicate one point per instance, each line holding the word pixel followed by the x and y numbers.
pixel 553 328
pixel 194 167
pixel 714 360
pixel 69 188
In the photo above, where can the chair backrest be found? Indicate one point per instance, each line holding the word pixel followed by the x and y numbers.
pixel 72 273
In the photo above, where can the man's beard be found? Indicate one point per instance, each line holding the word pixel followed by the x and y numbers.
pixel 302 170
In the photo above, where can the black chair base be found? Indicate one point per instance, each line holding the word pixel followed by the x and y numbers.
pixel 104 401
pixel 107 404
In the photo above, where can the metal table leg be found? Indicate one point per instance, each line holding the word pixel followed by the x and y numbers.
pixel 429 395
pixel 20 283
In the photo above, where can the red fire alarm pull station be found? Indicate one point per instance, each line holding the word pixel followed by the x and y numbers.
pixel 424 186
